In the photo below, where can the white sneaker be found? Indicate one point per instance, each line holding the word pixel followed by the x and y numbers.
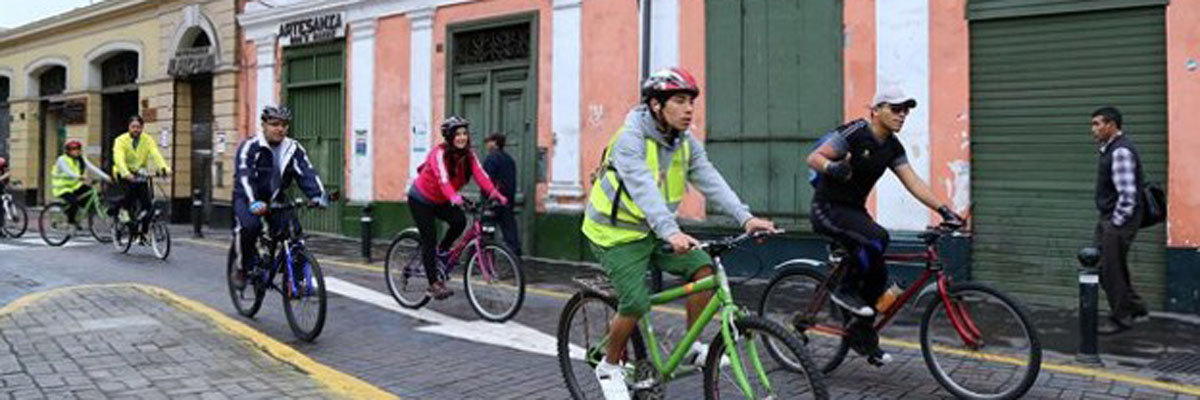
pixel 612 381
pixel 698 355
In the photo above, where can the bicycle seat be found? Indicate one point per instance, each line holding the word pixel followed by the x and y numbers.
pixel 929 236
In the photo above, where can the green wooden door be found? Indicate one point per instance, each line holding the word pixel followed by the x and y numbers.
pixel 314 89
pixel 783 90
pixel 493 86
pixel 1034 83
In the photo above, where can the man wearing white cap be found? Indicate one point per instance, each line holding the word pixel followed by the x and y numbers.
pixel 849 162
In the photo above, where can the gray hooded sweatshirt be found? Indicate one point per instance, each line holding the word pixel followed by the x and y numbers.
pixel 629 158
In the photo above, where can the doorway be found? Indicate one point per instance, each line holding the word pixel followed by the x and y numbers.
pixel 493 83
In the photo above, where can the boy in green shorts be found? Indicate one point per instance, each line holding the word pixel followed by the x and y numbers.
pixel 631 209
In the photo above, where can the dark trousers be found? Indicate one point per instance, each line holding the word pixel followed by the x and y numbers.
pixel 1114 243
pixel 73 200
pixel 865 242
pixel 247 228
pixel 426 215
pixel 506 218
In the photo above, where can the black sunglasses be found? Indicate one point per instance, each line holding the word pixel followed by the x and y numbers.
pixel 899 108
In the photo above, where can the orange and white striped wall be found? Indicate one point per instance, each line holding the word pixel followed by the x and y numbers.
pixel 588 64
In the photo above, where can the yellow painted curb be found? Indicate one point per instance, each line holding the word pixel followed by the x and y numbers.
pixel 338 382
pixel 1069 369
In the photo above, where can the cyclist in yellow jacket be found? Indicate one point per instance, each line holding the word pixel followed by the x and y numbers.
pixel 68 175
pixel 133 153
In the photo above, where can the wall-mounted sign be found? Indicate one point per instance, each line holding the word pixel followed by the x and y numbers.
pixel 222 140
pixel 360 142
pixel 192 61
pixel 74 111
pixel 312 29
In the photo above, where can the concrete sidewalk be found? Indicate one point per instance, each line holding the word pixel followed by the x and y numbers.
pixel 136 341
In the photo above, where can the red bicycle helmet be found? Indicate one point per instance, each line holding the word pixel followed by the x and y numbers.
pixel 73 144
pixel 668 81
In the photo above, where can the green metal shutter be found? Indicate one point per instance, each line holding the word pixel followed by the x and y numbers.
pixel 774 85
pixel 314 88
pixel 1034 83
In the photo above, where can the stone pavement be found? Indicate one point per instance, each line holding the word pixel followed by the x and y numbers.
pixel 140 342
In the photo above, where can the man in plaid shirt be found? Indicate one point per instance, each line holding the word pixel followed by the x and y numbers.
pixel 1118 186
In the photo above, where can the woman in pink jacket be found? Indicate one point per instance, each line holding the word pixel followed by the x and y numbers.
pixel 446 170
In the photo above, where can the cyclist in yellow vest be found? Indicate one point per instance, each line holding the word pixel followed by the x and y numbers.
pixel 67 178
pixel 631 209
pixel 133 153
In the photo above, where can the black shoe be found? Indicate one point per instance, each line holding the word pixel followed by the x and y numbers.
pixel 1116 325
pixel 848 300
pixel 238 279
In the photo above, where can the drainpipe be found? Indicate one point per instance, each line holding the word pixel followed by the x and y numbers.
pixel 645 5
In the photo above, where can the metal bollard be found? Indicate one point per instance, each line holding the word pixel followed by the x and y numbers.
pixel 1089 290
pixel 197 212
pixel 366 231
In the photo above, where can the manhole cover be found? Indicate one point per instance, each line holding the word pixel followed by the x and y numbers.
pixel 1183 363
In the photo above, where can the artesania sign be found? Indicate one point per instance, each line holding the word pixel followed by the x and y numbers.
pixel 312 29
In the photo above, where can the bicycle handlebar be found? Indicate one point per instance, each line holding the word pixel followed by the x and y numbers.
pixel 724 243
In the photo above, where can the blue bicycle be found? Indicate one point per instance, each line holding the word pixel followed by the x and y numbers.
pixel 289 268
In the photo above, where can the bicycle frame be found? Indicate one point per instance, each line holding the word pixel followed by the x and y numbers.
pixel 470 239
pixel 959 317
pixel 286 242
pixel 722 300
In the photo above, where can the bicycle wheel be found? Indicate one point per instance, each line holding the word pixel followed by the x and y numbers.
pixel 767 377
pixel 122 236
pixel 494 283
pixel 304 296
pixel 583 342
pixel 160 239
pixel 100 224
pixel 1006 359
pixel 403 271
pixel 53 225
pixel 16 220
pixel 787 301
pixel 248 299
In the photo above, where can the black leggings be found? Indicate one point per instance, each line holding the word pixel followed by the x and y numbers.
pixel 426 216
pixel 73 200
pixel 865 242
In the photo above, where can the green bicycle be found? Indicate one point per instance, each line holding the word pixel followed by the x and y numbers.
pixel 735 367
pixel 56 229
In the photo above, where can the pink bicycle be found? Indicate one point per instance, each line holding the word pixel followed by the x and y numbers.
pixel 492 279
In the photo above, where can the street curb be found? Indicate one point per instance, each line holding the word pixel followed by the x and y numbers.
pixel 340 383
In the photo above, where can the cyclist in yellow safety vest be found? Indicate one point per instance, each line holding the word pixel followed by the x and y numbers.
pixel 68 175
pixel 631 209
pixel 133 153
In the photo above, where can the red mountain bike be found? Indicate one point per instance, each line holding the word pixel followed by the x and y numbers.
pixel 977 341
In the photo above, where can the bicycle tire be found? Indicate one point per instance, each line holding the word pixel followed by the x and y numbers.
pixel 47 229
pixel 160 240
pixel 235 294
pixel 812 387
pixel 102 231
pixel 567 365
pixel 472 291
pixel 318 291
pixel 16 229
pixel 790 272
pixel 945 380
pixel 399 271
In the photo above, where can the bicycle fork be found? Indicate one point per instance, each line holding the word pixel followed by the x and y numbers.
pixel 960 318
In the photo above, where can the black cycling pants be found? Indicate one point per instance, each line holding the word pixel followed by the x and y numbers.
pixel 73 200
pixel 426 215
pixel 865 242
